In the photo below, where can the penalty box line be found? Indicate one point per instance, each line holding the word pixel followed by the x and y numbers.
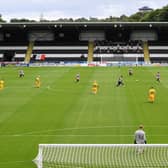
pixel 77 135
pixel 96 127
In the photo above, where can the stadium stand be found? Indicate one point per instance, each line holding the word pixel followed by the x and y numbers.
pixel 74 42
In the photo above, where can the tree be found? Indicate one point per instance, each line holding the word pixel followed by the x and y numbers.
pixel 123 18
pixel 151 16
pixel 163 15
pixel 1 20
pixel 81 20
pixel 136 17
pixel 21 20
pixel 92 19
pixel 158 15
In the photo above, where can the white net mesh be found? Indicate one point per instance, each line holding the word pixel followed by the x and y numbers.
pixel 102 156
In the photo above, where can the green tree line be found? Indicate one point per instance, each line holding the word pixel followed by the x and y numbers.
pixel 158 15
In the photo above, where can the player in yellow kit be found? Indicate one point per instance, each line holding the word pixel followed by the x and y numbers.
pixel 37 82
pixel 1 84
pixel 151 95
pixel 95 87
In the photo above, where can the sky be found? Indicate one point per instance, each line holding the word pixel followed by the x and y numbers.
pixel 55 9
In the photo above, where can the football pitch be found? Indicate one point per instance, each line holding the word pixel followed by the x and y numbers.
pixel 63 111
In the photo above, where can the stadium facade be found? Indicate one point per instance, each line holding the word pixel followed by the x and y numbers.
pixel 84 41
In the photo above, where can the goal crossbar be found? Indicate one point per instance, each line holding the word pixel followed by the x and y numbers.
pixel 102 156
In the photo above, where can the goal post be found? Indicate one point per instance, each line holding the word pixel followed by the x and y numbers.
pixel 102 156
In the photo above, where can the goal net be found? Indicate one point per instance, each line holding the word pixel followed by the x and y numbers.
pixel 102 156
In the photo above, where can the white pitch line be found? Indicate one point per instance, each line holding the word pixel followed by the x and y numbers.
pixel 83 135
pixel 18 161
pixel 51 90
pixel 84 128
pixel 36 135
pixel 99 127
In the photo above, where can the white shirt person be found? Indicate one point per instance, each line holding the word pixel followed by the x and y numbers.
pixel 140 136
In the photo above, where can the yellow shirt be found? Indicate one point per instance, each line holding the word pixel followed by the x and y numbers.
pixel 152 91
pixel 37 79
pixel 95 85
pixel 1 82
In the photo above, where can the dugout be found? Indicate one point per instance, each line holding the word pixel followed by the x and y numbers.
pixel 84 41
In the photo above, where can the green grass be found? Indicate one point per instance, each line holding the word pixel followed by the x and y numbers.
pixel 62 111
